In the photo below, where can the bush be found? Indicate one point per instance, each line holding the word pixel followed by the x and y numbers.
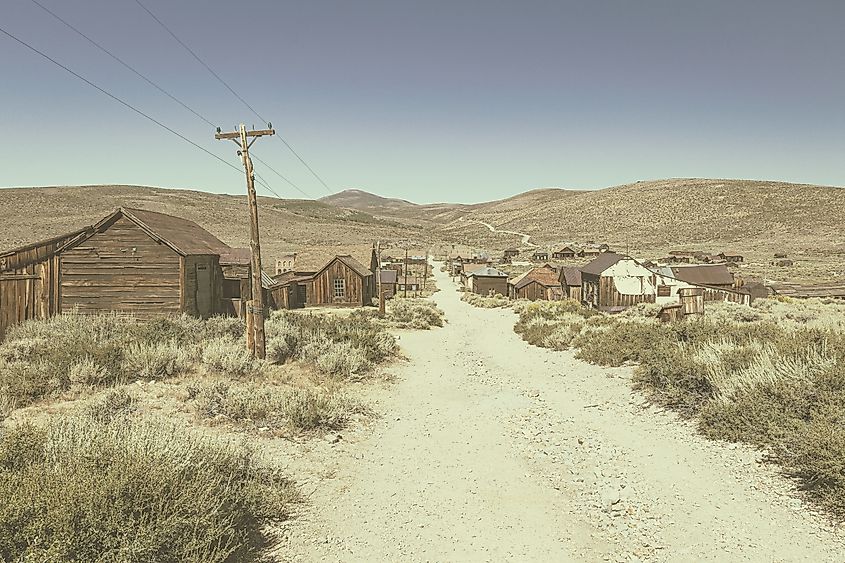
pixel 229 357
pixel 156 360
pixel 87 490
pixel 294 408
pixel 484 301
pixel 414 313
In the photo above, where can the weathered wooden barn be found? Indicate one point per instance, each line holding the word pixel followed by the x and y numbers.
pixel 133 261
pixel 570 282
pixel 540 283
pixel 487 280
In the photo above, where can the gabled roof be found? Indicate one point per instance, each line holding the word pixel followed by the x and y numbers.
pixel 604 261
pixel 350 262
pixel 570 247
pixel 183 236
pixel 487 272
pixel 703 274
pixel 545 276
pixel 571 276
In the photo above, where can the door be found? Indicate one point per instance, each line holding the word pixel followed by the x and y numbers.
pixel 204 304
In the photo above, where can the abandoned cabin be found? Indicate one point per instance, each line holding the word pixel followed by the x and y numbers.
pixel 540 256
pixel 732 257
pixel 486 281
pixel 540 283
pixel 341 281
pixel 133 261
pixel 567 252
pixel 613 282
pixel 510 254
pixel 570 282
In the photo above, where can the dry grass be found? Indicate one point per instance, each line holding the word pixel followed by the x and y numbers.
pixel 112 488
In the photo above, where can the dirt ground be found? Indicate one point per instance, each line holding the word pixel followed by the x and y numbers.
pixel 488 449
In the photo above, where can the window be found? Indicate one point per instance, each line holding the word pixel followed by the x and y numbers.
pixel 664 291
pixel 339 288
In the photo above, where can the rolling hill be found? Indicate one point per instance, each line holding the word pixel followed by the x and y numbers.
pixel 754 218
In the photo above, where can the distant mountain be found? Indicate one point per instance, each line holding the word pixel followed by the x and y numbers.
pixel 365 201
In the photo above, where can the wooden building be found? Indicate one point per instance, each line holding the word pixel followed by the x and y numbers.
pixel 710 275
pixel 613 282
pixel 486 281
pixel 540 256
pixel 732 257
pixel 537 284
pixel 134 261
pixel 567 252
pixel 388 280
pixel 570 282
pixel 510 254
pixel 342 281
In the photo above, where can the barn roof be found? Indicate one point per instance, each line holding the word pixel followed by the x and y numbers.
pixel 184 236
pixel 545 276
pixel 703 274
pixel 571 276
pixel 604 261
pixel 350 262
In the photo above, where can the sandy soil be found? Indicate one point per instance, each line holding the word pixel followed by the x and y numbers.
pixel 491 450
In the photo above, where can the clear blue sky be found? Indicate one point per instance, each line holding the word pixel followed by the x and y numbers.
pixel 432 101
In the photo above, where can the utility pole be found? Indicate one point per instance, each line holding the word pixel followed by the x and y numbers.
pixel 256 305
pixel 380 289
pixel 406 271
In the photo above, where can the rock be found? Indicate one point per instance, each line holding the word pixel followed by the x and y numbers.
pixel 333 438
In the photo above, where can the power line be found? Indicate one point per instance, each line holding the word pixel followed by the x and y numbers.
pixel 277 173
pixel 232 90
pixel 124 63
pixel 119 100
pixel 152 83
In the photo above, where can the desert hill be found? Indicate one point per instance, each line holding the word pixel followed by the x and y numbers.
pixel 754 218
pixel 312 228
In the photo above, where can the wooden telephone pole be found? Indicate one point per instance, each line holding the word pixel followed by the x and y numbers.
pixel 255 307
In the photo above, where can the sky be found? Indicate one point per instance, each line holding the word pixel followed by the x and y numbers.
pixel 458 100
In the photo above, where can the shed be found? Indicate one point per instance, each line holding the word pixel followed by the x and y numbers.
pixel 342 281
pixel 570 282
pixel 487 280
pixel 536 284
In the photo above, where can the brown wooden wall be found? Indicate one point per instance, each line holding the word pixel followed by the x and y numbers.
pixel 122 269
pixel 533 291
pixel 483 285
pixel 572 292
pixel 29 292
pixel 202 290
pixel 321 287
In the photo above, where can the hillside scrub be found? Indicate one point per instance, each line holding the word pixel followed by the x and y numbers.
pixel 42 359
pixel 485 302
pixel 772 375
pixel 118 489
pixel 279 409
pixel 344 346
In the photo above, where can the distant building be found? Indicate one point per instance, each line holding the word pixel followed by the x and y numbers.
pixel 487 280
pixel 388 280
pixel 537 284
pixel 540 256
pixel 570 282
pixel 567 252
pixel 286 263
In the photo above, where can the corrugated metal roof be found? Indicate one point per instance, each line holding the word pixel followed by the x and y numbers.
pixel 487 272
pixel 604 261
pixel 703 274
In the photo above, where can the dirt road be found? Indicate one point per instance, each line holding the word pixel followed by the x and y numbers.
pixel 491 450
pixel 524 237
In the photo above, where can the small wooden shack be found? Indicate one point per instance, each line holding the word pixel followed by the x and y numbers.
pixel 134 261
pixel 388 280
pixel 536 284
pixel 510 254
pixel 540 256
pixel 487 280
pixel 342 281
pixel 570 282
pixel 567 252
